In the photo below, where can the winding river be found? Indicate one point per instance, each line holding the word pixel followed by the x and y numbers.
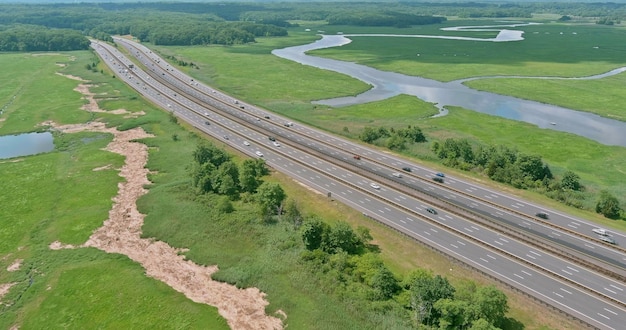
pixel 388 84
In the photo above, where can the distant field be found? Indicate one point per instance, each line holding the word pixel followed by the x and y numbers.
pixel 548 50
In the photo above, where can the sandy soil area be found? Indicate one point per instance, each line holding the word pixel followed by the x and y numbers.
pixel 4 288
pixel 121 233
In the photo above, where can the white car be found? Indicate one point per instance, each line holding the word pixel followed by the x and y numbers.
pixel 260 154
pixel 276 144
pixel 600 231
pixel 396 174
pixel 374 185
pixel 246 143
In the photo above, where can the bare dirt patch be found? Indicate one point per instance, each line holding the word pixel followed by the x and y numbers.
pixel 4 289
pixel 15 265
pixel 56 245
pixel 121 233
pixel 102 168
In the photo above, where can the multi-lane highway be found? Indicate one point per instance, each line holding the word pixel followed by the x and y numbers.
pixel 327 164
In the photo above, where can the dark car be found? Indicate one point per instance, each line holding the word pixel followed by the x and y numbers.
pixel 208 123
pixel 441 175
pixel 431 210
pixel 357 157
pixel 542 215
pixel 438 179
pixel 272 138
pixel 408 169
pixel 267 117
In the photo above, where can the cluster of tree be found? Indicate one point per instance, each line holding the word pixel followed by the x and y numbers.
pixel 608 21
pixel 394 139
pixel 223 33
pixel 29 38
pixel 510 166
pixel 356 272
pixel 383 18
pixel 500 163
pixel 213 171
pixel 172 58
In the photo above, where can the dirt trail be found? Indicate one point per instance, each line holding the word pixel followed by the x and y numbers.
pixel 121 233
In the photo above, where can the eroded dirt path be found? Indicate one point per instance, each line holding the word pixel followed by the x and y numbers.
pixel 121 233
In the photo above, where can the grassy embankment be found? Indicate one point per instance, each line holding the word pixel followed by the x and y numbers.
pixel 59 196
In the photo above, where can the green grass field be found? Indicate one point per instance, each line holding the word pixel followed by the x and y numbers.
pixel 548 50
pixel 57 196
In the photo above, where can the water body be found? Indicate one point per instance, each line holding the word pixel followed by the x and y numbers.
pixel 25 144
pixel 388 84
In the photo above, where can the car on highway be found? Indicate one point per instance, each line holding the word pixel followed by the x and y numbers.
pixel 607 239
pixel 438 179
pixel 397 174
pixel 374 185
pixel 542 215
pixel 225 137
pixel 276 144
pixel 407 169
pixel 357 157
pixel 441 175
pixel 431 210
pixel 207 122
pixel 267 117
pixel 601 232
pixel 258 153
pixel 246 143
pixel 271 138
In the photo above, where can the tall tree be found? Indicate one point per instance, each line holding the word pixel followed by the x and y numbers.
pixel 608 205
pixel 425 292
pixel 270 196
pixel 571 181
pixel 490 304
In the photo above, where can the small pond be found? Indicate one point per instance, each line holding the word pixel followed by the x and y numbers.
pixel 25 144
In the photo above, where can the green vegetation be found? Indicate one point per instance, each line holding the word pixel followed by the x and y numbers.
pixel 60 196
pixel 549 49
pixel 29 38
pixel 602 96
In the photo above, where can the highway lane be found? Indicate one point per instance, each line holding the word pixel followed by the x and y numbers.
pixel 318 136
pixel 591 248
pixel 539 227
pixel 366 201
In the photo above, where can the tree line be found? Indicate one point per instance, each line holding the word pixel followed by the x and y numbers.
pixel 522 171
pixel 32 38
pixel 383 18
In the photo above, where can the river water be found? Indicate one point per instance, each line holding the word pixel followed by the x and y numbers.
pixel 388 84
